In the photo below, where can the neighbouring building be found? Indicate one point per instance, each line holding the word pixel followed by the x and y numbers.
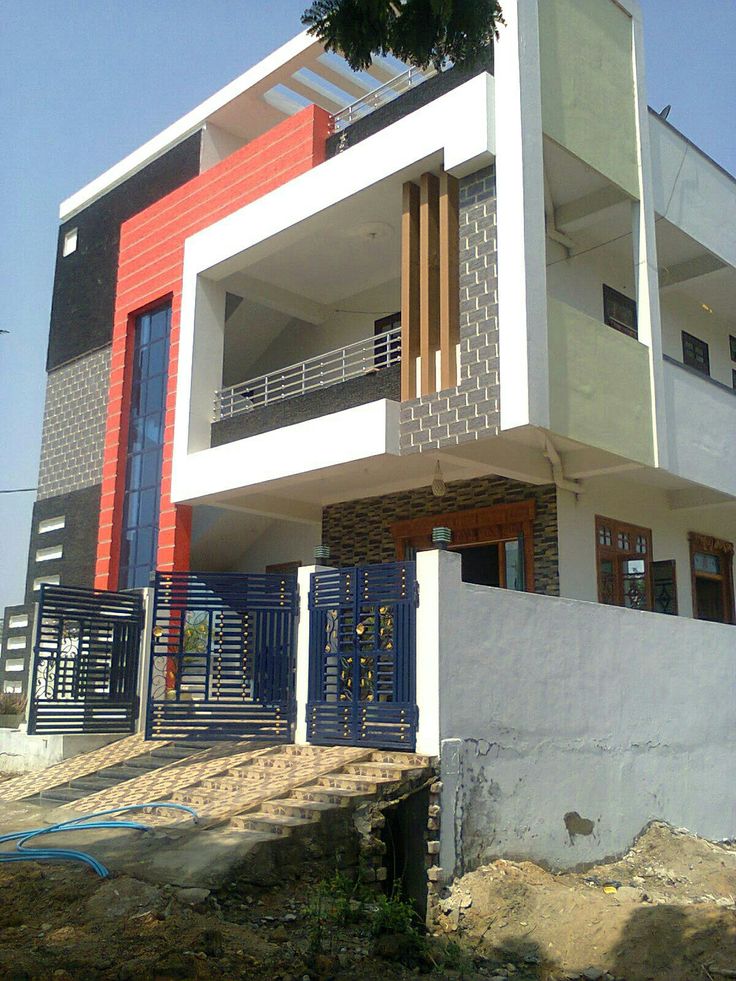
pixel 360 315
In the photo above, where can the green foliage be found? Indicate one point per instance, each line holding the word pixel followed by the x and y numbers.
pixel 393 915
pixel 419 32
pixel 12 704
pixel 454 958
pixel 334 902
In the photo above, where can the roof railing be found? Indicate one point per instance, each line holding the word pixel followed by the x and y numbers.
pixel 378 97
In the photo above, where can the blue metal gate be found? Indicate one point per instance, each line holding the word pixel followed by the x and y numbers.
pixel 85 669
pixel 222 656
pixel 362 680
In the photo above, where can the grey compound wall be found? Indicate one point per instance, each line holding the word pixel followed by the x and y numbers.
pixel 74 422
pixel 565 727
pixel 472 408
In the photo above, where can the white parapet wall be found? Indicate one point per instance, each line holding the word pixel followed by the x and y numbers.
pixel 565 726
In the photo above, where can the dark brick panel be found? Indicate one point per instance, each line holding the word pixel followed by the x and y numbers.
pixel 384 384
pixel 411 100
pixel 81 510
pixel 360 531
pixel 84 284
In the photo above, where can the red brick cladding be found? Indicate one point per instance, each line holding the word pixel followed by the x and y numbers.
pixel 149 273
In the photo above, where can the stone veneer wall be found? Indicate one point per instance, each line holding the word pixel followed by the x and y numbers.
pixel 74 422
pixel 457 415
pixel 360 531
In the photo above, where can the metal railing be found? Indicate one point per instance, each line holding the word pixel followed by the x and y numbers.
pixel 378 97
pixel 331 368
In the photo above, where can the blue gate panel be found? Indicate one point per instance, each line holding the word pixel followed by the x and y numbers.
pixel 85 670
pixel 362 685
pixel 222 663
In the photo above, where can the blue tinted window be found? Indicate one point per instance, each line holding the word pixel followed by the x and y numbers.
pixel 145 448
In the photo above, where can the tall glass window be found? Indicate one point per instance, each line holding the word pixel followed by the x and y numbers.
pixel 139 537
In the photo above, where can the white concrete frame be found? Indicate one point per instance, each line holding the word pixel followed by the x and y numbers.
pixel 457 128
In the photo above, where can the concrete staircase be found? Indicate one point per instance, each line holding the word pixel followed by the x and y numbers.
pixel 119 773
pixel 319 798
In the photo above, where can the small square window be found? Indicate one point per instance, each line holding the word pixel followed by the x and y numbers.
pixel 695 353
pixel 732 343
pixel 619 312
pixel 70 242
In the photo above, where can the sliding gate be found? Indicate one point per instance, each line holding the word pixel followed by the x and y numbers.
pixel 222 656
pixel 363 656
pixel 85 668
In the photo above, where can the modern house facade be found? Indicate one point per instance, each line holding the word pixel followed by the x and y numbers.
pixel 359 316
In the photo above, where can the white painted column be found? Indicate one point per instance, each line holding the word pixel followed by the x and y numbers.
pixel 304 579
pixel 144 664
pixel 645 251
pixel 522 272
pixel 428 649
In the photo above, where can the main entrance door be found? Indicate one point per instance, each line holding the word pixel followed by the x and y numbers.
pixel 363 656
pixel 85 669
pixel 222 659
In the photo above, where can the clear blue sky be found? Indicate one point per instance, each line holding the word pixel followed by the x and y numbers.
pixel 83 83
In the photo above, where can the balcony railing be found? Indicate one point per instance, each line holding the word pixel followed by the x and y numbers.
pixel 332 368
pixel 378 97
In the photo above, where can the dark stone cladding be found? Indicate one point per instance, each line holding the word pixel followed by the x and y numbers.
pixel 76 567
pixel 8 632
pixel 360 531
pixel 383 384
pixel 402 105
pixel 83 301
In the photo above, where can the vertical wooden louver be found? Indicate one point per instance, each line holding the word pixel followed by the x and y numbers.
pixel 449 280
pixel 429 284
pixel 409 291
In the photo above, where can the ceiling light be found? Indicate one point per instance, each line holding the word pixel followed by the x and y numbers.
pixel 706 308
pixel 439 487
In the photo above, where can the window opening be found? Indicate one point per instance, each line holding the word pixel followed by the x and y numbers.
pixel 695 353
pixel 139 538
pixel 619 312
pixel 623 558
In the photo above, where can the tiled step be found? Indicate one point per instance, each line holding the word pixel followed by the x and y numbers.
pixel 345 782
pixel 402 759
pixel 337 796
pixel 144 763
pixel 62 795
pixel 381 771
pixel 122 772
pixel 310 810
pixel 269 823
pixel 91 785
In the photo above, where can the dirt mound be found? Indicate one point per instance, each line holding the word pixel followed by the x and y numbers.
pixel 666 911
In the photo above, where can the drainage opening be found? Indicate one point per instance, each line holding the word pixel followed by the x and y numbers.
pixel 405 838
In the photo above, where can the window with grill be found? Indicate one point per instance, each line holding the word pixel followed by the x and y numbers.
pixel 623 554
pixel 695 353
pixel 619 312
pixel 711 567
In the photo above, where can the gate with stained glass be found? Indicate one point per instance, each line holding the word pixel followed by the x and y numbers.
pixel 222 656
pixel 362 684
pixel 85 666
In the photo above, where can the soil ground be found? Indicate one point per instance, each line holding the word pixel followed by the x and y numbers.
pixel 665 912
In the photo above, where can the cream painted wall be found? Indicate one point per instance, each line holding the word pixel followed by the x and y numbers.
pixel 691 192
pixel 627 500
pixel 682 312
pixel 299 341
pixel 599 385
pixel 283 541
pixel 588 103
pixel 578 281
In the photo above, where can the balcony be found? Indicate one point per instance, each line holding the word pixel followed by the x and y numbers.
pixel 351 375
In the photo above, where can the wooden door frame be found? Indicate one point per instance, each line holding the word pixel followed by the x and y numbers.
pixel 478 526
pixel 725 550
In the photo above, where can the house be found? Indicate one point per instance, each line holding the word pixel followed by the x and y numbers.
pixel 472 330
